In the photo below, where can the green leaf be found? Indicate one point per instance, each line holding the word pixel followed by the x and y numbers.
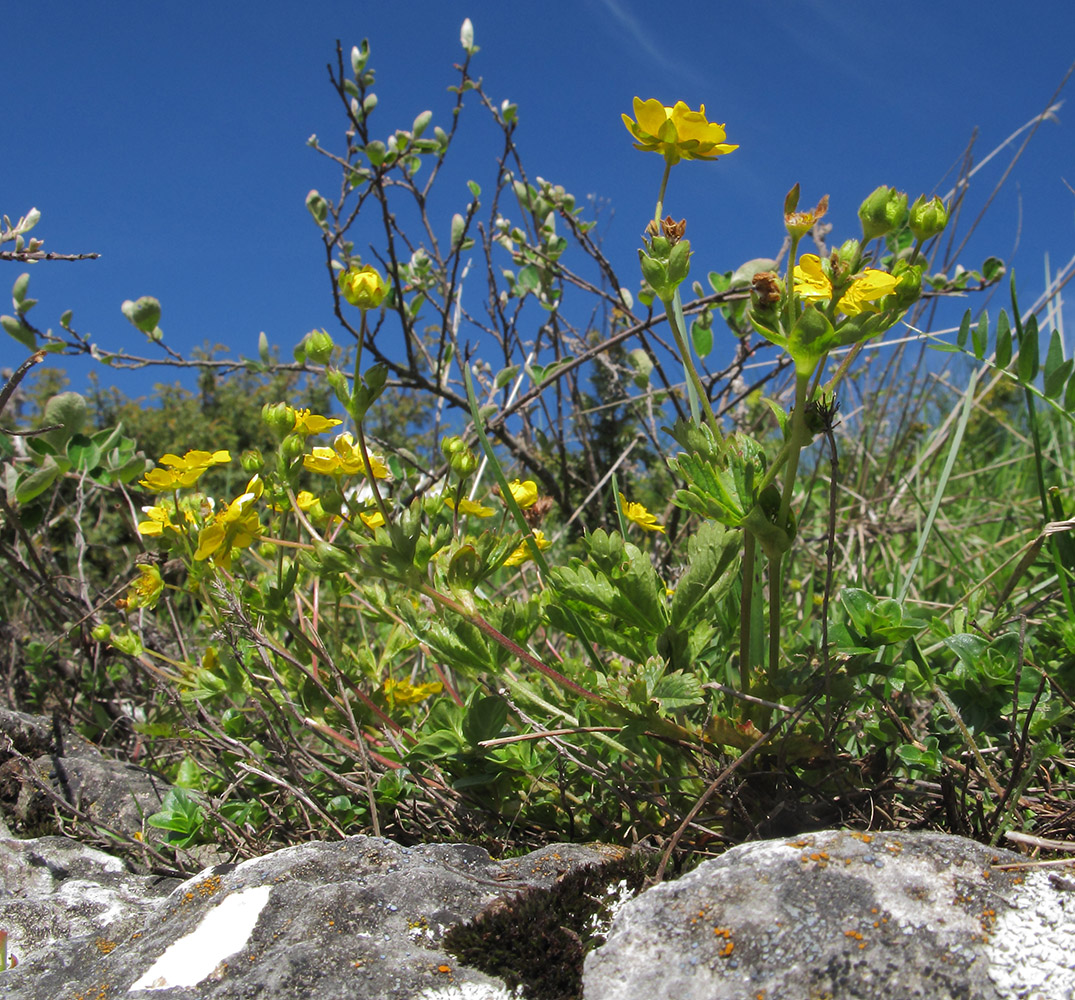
pixel 1027 364
pixel 458 225
pixel 37 481
pixel 485 719
pixel 1057 369
pixel 1004 339
pixel 980 336
pixel 420 124
pixel 20 331
pixel 964 330
pixel 18 290
pixel 702 336
pixel 376 152
pixel 475 189
pixel 505 375
pixel 711 552
pixel 144 313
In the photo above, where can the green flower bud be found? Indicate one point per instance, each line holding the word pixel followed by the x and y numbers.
pixel 882 212
pixel 928 218
pixel 144 313
pixel 318 346
pixel 101 632
pixel 908 289
pixel 452 445
pixel 363 287
pixel 292 446
pixel 252 461
pixel 850 254
pixel 331 501
pixel 279 418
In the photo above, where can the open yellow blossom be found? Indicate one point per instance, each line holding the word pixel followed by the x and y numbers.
pixel 405 693
pixel 523 552
pixel 313 423
pixel 812 284
pixel 676 132
pixel 147 589
pixel 525 493
pixel 467 506
pixel 235 527
pixel 637 513
pixel 183 471
pixel 343 458
pixel 159 521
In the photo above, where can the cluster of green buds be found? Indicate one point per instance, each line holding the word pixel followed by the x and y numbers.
pixel 665 257
pixel 461 460
pixel 885 210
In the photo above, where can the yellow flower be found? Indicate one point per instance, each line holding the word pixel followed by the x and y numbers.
pixel 343 458
pixel 812 284
pixel 525 493
pixel 523 552
pixel 147 589
pixel 160 520
pixel 637 513
pixel 183 471
pixel 235 527
pixel 467 506
pixel 864 292
pixel 405 693
pixel 363 287
pixel 374 520
pixel 313 423
pixel 677 133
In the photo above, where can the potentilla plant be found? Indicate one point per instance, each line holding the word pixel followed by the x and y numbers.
pixel 817 307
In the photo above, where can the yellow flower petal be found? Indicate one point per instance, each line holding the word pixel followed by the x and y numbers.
pixel 638 514
pixel 523 552
pixel 525 493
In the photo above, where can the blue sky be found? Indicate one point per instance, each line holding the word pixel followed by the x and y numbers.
pixel 172 138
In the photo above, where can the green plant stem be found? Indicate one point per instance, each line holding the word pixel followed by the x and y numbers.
pixel 674 311
pixel 796 441
pixel 750 547
pixel 660 196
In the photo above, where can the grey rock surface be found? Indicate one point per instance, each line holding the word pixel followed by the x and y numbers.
pixel 356 918
pixel 34 751
pixel 845 916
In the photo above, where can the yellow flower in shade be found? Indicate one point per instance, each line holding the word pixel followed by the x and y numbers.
pixel 343 458
pixel 374 520
pixel 313 423
pixel 159 521
pixel 147 589
pixel 523 552
pixel 183 471
pixel 363 287
pixel 525 493
pixel 676 132
pixel 405 693
pixel 812 284
pixel 470 507
pixel 637 513
pixel 235 527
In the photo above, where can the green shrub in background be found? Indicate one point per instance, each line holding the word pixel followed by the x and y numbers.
pixel 514 623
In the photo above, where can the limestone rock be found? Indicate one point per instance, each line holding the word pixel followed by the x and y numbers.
pixel 356 918
pixel 846 916
pixel 116 794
